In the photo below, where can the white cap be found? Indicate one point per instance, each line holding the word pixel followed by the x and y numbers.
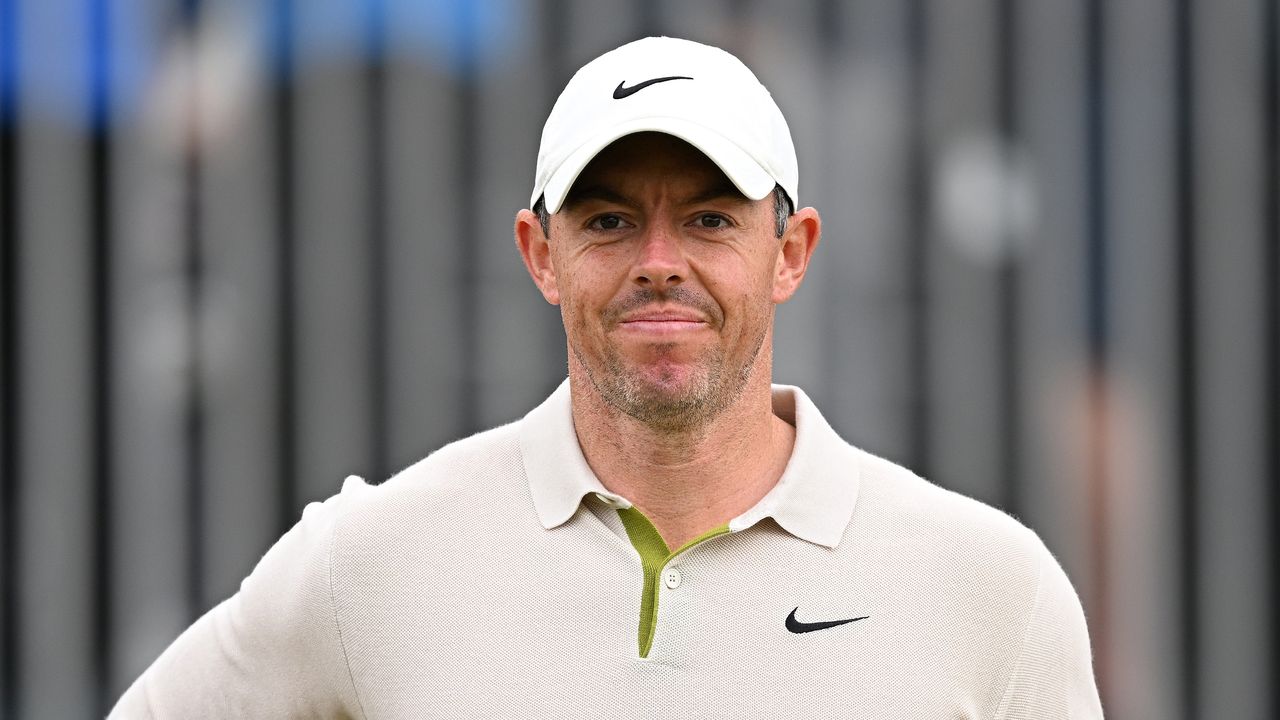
pixel 698 93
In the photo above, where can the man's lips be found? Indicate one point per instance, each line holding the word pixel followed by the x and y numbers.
pixel 662 321
pixel 662 326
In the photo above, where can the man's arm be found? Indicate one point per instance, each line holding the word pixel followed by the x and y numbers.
pixel 1052 678
pixel 273 649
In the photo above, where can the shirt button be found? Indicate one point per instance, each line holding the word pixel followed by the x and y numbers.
pixel 671 578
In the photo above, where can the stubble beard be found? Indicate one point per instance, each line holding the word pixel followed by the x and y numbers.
pixel 652 398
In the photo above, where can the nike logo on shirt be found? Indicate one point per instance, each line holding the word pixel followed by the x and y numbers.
pixel 798 627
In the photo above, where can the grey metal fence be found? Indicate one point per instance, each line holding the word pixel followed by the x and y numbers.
pixel 248 247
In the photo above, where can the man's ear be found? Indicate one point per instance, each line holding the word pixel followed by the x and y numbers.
pixel 804 230
pixel 535 248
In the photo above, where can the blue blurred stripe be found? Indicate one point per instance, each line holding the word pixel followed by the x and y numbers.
pixel 102 73
pixel 8 60
pixel 79 62
pixel 279 24
pixel 100 61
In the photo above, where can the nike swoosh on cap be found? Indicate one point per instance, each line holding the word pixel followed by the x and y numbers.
pixel 622 91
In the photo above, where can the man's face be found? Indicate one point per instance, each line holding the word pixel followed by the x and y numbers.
pixel 667 279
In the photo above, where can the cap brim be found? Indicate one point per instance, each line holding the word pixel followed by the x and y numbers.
pixel 742 170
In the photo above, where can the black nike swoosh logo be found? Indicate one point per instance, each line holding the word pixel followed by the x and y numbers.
pixel 621 91
pixel 798 627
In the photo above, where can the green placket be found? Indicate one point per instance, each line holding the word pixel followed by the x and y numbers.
pixel 654 556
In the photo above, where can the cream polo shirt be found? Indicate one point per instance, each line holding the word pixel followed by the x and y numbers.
pixel 498 578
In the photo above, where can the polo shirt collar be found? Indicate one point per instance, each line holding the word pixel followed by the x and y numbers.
pixel 813 500
pixel 559 476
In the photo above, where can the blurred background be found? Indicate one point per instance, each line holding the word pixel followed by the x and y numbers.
pixel 248 247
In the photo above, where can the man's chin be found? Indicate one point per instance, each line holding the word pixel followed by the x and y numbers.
pixel 671 380
pixel 667 397
pixel 667 391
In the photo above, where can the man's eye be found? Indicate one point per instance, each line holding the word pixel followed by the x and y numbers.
pixel 711 221
pixel 607 222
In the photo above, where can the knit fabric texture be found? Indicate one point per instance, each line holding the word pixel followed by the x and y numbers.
pixel 494 579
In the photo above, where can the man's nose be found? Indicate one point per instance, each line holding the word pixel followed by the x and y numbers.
pixel 662 262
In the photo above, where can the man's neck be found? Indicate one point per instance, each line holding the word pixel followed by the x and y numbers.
pixel 689 481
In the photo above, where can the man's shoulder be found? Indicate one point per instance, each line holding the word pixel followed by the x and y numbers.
pixel 895 506
pixel 959 559
pixel 477 474
pixel 491 454
pixel 896 503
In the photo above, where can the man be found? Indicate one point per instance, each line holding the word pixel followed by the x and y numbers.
pixel 667 534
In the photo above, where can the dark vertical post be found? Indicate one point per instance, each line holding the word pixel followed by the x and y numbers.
pixel 831 39
pixel 467 178
pixel 1185 348
pixel 554 29
pixel 282 101
pixel 375 126
pixel 194 411
pixel 555 40
pixel 1271 313
pixel 100 227
pixel 555 33
pixel 830 33
pixel 1008 366
pixel 738 12
pixel 1097 331
pixel 10 573
pixel 917 256
pixel 650 18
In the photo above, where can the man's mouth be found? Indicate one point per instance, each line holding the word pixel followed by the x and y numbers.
pixel 662 326
pixel 662 321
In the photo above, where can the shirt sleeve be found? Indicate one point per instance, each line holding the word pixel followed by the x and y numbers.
pixel 273 649
pixel 1052 678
